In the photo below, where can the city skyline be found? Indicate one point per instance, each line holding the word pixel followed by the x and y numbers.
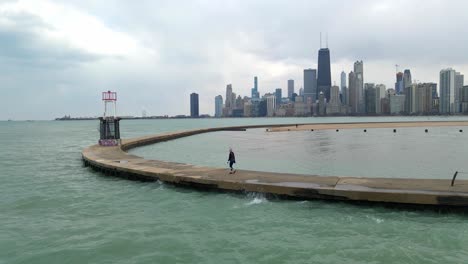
pixel 408 97
pixel 57 56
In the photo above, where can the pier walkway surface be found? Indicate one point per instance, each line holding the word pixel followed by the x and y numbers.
pixel 436 192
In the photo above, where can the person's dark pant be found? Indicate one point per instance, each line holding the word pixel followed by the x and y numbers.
pixel 230 164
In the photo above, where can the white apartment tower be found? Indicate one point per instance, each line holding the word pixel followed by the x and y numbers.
pixel 271 104
pixel 359 82
pixel 447 91
pixel 218 106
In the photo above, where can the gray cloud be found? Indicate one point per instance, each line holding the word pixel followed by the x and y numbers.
pixel 203 45
pixel 22 45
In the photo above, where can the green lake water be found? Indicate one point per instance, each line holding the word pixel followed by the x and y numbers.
pixel 54 210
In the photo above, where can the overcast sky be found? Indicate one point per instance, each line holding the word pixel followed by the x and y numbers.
pixel 56 57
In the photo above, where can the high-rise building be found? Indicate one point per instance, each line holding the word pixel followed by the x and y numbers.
pixel 353 93
pixel 399 83
pixel 407 79
pixel 229 96
pixel 370 98
pixel 324 72
pixel 270 104
pixel 310 85
pixel 435 98
pixel 447 91
pixel 256 108
pixel 410 92
pixel 255 93
pixel 218 106
pixel 343 79
pixel 262 107
pixel 293 97
pixel 410 99
pixel 397 104
pixel 434 90
pixel 194 105
pixel 334 106
pixel 379 95
pixel 290 88
pixel 278 97
pixel 343 88
pixel 385 105
pixel 239 102
pixel 459 82
pixel 248 108
pixel 301 108
pixel 301 91
pixel 464 99
pixel 359 82
pixel 321 104
pixel 345 96
pixel 424 98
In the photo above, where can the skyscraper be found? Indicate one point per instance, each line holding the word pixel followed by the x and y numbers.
pixel 310 85
pixel 233 101
pixel 343 79
pixel 397 103
pixel 379 95
pixel 447 91
pixel 321 106
pixel 333 107
pixel 290 88
pixel 399 83
pixel 229 96
pixel 459 81
pixel 370 96
pixel 407 79
pixel 324 72
pixel 194 105
pixel 255 93
pixel 270 104
pixel 359 82
pixel 424 98
pixel 344 93
pixel 218 106
pixel 464 100
pixel 278 97
pixel 353 93
pixel 410 99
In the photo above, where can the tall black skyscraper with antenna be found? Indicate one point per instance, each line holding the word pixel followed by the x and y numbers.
pixel 324 71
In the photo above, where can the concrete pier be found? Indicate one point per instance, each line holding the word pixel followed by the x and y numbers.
pixel 435 192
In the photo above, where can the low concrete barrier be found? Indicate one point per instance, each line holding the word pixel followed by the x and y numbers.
pixel 116 161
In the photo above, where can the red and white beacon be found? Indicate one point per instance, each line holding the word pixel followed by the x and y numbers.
pixel 109 123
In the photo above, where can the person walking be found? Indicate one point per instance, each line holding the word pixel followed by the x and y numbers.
pixel 231 161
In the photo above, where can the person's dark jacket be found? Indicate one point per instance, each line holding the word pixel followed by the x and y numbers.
pixel 232 157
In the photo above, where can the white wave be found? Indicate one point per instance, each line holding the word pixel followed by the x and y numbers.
pixel 160 185
pixel 257 198
pixel 376 219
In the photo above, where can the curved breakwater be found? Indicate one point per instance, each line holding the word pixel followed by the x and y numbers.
pixel 435 192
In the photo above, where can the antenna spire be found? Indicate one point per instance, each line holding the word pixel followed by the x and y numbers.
pixel 320 39
pixel 327 39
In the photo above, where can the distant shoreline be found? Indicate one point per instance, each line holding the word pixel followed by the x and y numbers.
pixel 367 125
pixel 67 118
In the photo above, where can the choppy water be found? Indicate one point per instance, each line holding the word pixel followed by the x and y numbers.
pixel 53 210
pixel 408 153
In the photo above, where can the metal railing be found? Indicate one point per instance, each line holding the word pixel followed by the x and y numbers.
pixel 455 176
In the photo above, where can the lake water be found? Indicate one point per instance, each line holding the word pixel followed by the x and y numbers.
pixel 408 153
pixel 54 210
